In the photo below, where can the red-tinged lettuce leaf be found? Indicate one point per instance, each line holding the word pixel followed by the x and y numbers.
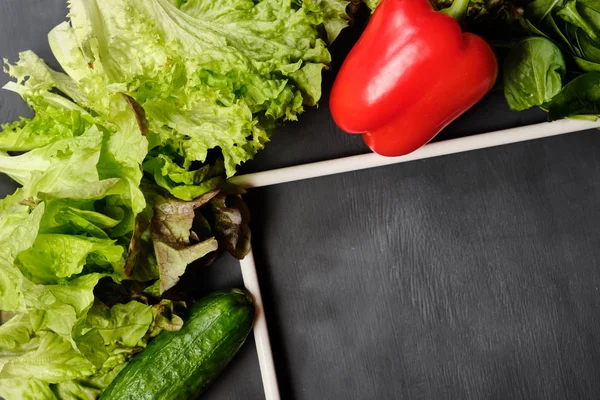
pixel 230 217
pixel 172 237
pixel 164 244
pixel 173 219
pixel 170 234
pixel 165 318
pixel 173 259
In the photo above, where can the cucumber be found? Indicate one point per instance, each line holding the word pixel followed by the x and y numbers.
pixel 180 365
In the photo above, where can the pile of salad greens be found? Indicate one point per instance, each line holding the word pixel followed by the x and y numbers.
pixel 123 167
pixel 123 171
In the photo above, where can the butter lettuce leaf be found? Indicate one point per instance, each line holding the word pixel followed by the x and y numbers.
pixel 123 324
pixel 25 389
pixel 50 358
pixel 83 364
pixel 58 307
pixel 18 234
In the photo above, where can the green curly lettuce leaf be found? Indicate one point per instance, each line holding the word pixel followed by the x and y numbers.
pixel 209 75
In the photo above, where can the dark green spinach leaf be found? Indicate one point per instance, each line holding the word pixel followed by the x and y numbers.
pixel 533 73
pixel 589 50
pixel 539 10
pixel 584 15
pixel 587 66
pixel 580 98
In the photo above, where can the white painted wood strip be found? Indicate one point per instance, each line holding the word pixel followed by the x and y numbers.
pixel 453 146
pixel 364 161
pixel 261 333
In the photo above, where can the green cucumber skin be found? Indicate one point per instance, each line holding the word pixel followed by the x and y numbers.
pixel 181 365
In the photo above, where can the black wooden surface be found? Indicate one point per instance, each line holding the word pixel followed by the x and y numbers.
pixel 471 276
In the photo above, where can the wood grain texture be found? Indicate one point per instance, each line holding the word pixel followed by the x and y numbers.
pixel 472 276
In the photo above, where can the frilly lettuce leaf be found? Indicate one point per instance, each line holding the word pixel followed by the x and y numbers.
pixel 54 257
pixel 66 228
pixel 72 146
pixel 230 224
pixel 79 217
pixel 208 74
pixel 49 357
pixel 91 387
pixel 26 389
pixel 58 307
pixel 56 117
pixel 186 184
pixel 57 165
pixel 81 367
pixel 16 332
pixel 18 234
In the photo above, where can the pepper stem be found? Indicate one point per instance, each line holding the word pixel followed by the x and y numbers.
pixel 457 10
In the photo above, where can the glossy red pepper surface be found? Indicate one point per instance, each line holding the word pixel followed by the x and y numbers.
pixel 412 72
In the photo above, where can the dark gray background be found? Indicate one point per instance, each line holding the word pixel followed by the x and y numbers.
pixel 471 276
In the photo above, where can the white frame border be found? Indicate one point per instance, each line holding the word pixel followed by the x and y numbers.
pixel 364 161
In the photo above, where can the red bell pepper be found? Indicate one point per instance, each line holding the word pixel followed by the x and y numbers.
pixel 411 73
